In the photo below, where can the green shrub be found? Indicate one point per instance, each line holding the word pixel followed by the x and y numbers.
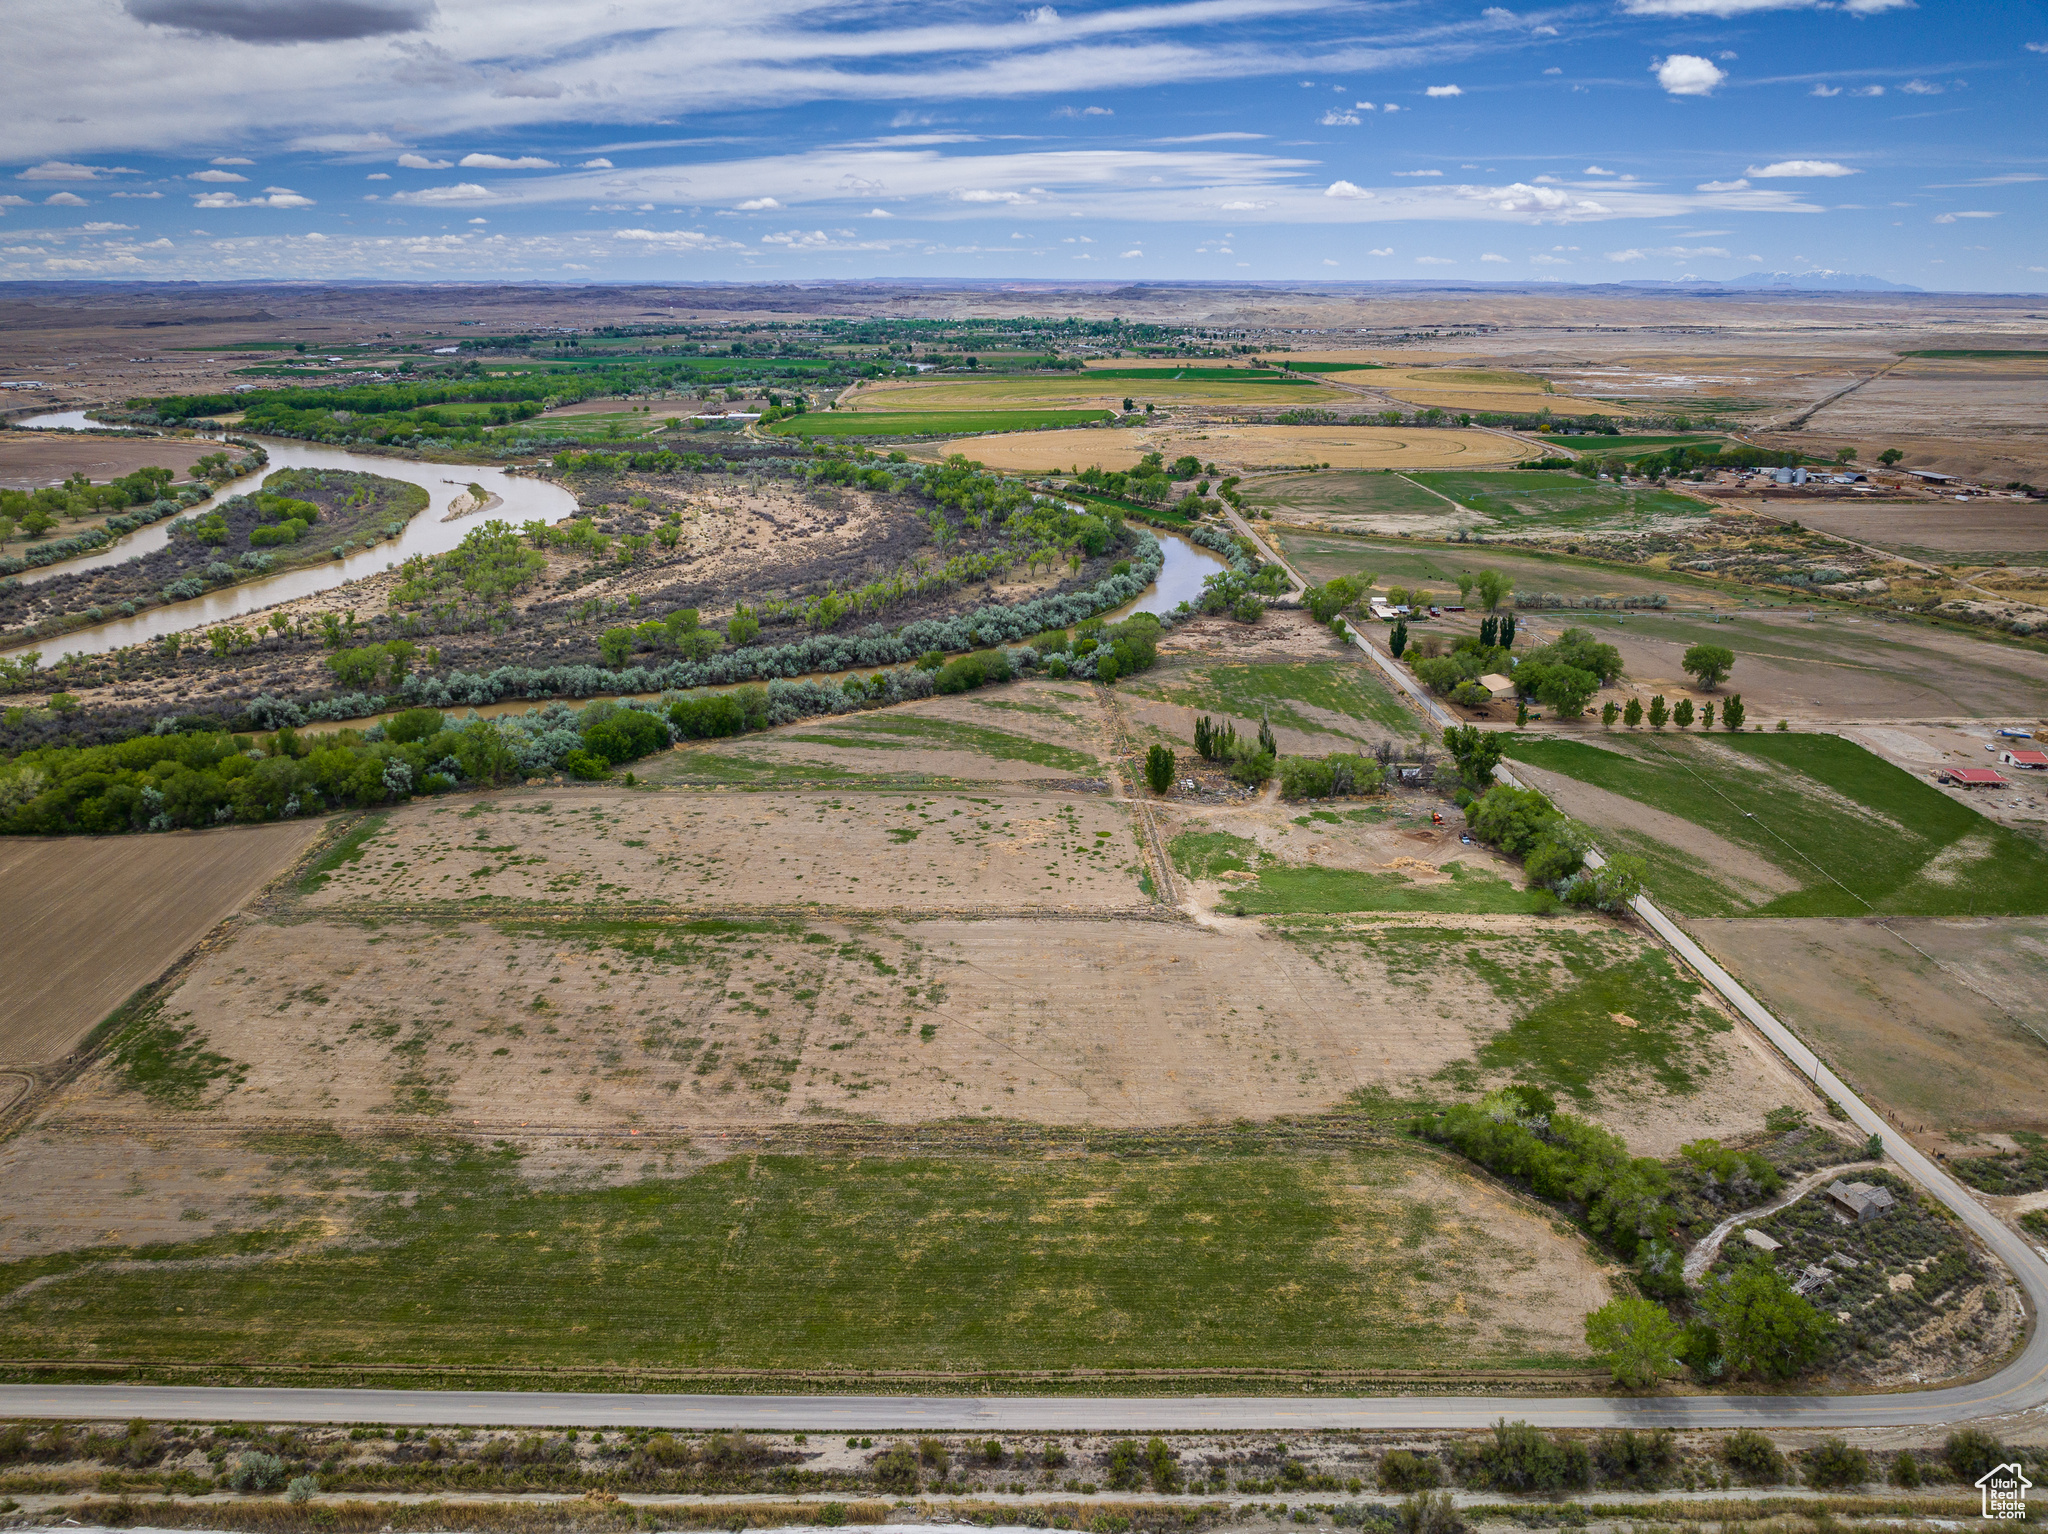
pixel 1512 819
pixel 413 724
pixel 896 1470
pixel 1971 1451
pixel 256 1471
pixel 973 670
pixel 582 764
pixel 1753 1457
pixel 707 718
pixel 1519 1458
pixel 1329 777
pixel 1126 1465
pixel 1832 1463
pixel 1642 1460
pixel 624 735
pixel 1404 1471
pixel 303 1488
pixel 1906 1471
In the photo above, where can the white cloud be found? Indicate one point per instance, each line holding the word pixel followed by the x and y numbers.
pixel 500 162
pixel 1242 206
pixel 597 164
pixel 2036 48
pixel 676 239
pixel 140 196
pixel 421 162
pixel 982 194
pixel 1443 90
pixel 215 175
pixel 1418 173
pixel 98 227
pixel 64 200
pixel 880 213
pixel 479 221
pixel 1737 185
pixel 1328 262
pixel 378 175
pixel 274 197
pixel 1597 170
pixel 64 170
pixel 1385 250
pixel 1043 16
pixel 1345 189
pixel 1363 106
pixel 1779 169
pixel 1336 119
pixel 1490 256
pixel 1950 218
pixel 1824 91
pixel 1625 255
pixel 229 159
pixel 1920 88
pixel 1390 107
pixel 1085 112
pixel 1687 74
pixel 1434 261
pixel 462 191
pixel 1868 90
pixel 1130 255
pixel 759 205
pixel 1544 260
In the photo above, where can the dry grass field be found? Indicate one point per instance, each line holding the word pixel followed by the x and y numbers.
pixel 91 920
pixel 1944 533
pixel 1240 447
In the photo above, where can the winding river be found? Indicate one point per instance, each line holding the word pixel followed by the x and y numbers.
pixel 1180 577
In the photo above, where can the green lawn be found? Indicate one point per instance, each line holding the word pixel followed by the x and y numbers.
pixel 1861 836
pixel 1344 685
pixel 784 1262
pixel 1288 891
pixel 944 423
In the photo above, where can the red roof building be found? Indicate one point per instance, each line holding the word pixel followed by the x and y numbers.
pixel 1973 777
pixel 2038 760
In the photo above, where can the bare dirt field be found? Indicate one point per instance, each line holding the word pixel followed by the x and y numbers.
pixel 1946 533
pixel 89 920
pixel 708 851
pixel 1945 1041
pixel 32 459
pixel 1241 447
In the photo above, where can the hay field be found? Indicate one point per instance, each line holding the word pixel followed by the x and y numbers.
pixel 1488 389
pixel 1493 500
pixel 1851 834
pixel 1077 391
pixel 1242 447
pixel 1948 533
pixel 90 920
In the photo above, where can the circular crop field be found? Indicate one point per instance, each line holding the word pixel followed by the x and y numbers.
pixel 1240 447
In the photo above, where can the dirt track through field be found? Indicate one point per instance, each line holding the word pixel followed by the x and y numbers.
pixel 89 920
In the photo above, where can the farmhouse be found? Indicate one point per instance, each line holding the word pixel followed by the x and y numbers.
pixel 1973 777
pixel 1859 1200
pixel 2031 761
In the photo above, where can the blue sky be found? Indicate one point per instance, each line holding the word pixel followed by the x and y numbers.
pixel 661 140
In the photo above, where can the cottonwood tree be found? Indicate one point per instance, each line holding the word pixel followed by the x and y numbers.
pixel 1636 1339
pixel 1709 662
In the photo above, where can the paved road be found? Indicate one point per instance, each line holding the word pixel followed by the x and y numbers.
pixel 2021 1388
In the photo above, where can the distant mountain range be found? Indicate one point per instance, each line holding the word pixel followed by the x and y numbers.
pixel 1807 282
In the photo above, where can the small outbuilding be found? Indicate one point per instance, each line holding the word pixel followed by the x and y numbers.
pixel 1973 777
pixel 1760 1241
pixel 1498 685
pixel 1860 1201
pixel 1812 1279
pixel 2030 761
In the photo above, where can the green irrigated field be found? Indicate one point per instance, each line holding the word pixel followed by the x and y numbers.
pixel 1171 374
pixel 802 1262
pixel 910 423
pixel 1857 835
pixel 1346 494
pixel 1527 500
pixel 1316 697
pixel 1404 563
pixel 1296 889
